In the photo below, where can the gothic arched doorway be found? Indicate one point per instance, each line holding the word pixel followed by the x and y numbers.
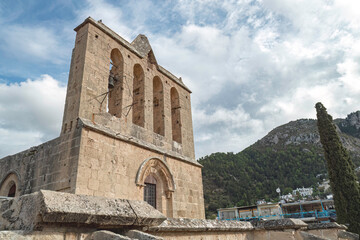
pixel 155 178
pixel 9 186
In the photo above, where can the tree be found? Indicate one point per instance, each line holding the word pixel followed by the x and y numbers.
pixel 342 177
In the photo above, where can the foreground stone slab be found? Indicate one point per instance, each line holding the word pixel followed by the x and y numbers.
pixel 348 235
pixel 287 223
pixel 136 234
pixel 309 236
pixel 46 208
pixel 328 225
pixel 196 225
pixel 13 235
pixel 106 235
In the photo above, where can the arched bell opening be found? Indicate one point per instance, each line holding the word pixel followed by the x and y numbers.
pixel 138 104
pixel 158 107
pixel 115 83
pixel 175 115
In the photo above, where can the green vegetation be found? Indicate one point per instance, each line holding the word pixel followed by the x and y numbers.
pixel 255 173
pixel 290 156
pixel 342 177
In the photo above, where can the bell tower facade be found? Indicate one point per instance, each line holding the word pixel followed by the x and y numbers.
pixel 135 122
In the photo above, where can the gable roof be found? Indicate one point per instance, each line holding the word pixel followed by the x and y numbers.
pixel 142 45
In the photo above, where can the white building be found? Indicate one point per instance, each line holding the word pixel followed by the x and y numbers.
pixel 288 197
pixel 303 191
pixel 325 185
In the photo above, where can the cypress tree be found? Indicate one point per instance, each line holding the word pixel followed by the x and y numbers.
pixel 342 177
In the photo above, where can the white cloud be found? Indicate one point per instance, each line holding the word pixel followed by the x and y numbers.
pixel 252 65
pixel 31 113
pixel 284 56
pixel 32 43
pixel 225 129
pixel 110 14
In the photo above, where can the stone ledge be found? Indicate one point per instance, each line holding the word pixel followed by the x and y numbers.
pixel 46 208
pixel 200 225
pixel 348 235
pixel 280 224
pixel 309 236
pixel 314 226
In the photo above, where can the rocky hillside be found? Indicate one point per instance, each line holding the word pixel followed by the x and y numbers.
pixel 290 156
pixel 304 133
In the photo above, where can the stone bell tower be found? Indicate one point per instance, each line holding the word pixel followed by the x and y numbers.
pixel 136 125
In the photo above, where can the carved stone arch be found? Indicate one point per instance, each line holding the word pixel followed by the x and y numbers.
pixel 11 182
pixel 165 184
pixel 157 167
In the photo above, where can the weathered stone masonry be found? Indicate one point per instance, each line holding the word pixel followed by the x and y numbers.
pixel 122 109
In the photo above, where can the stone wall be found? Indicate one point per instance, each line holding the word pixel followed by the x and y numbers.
pixel 109 164
pixel 107 137
pixel 52 165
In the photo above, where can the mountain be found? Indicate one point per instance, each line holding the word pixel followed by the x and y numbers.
pixel 288 157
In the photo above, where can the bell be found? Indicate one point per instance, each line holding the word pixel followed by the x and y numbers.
pixel 111 82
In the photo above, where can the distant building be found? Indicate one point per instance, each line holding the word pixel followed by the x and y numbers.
pixel 325 185
pixel 303 191
pixel 308 211
pixel 245 213
pixel 270 211
pixel 288 197
pixel 262 201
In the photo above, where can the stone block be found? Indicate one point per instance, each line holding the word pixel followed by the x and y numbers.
pixel 328 225
pixel 348 235
pixel 136 234
pixel 12 235
pixel 33 211
pixel 106 235
pixel 309 236
pixel 280 235
pixel 287 223
pixel 198 225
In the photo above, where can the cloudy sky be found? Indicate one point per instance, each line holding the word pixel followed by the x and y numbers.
pixel 252 65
